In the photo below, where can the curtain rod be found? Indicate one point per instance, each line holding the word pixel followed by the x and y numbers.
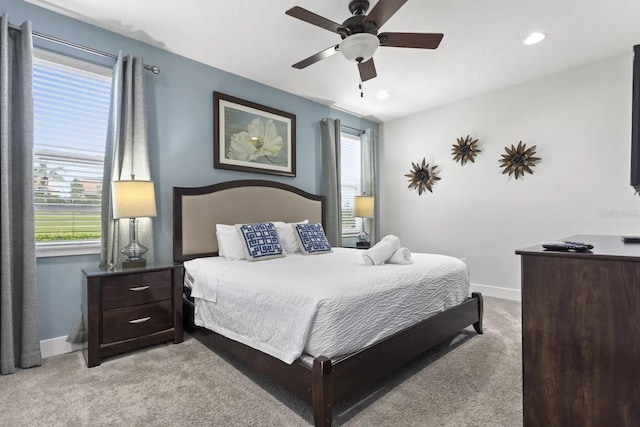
pixel 352 128
pixel 153 68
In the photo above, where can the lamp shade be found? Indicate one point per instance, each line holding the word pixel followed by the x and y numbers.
pixel 363 206
pixel 359 47
pixel 133 199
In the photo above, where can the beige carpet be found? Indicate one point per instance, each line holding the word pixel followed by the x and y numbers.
pixel 474 382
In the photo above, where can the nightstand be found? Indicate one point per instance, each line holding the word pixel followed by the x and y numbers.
pixel 358 245
pixel 126 309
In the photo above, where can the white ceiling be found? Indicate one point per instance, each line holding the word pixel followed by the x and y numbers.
pixel 481 51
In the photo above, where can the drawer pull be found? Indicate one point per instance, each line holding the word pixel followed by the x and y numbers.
pixel 140 320
pixel 139 288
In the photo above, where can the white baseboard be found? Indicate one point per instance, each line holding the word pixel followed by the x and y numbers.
pixel 495 291
pixel 56 346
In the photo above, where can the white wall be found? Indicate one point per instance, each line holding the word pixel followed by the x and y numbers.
pixel 580 121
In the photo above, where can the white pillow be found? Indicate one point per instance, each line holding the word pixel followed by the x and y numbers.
pixel 229 242
pixel 220 243
pixel 287 236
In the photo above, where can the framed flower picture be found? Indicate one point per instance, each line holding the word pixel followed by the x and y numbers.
pixel 250 137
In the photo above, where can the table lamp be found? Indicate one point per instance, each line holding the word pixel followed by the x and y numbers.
pixel 133 199
pixel 363 208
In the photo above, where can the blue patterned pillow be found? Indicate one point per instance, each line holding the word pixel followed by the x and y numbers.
pixel 312 239
pixel 260 241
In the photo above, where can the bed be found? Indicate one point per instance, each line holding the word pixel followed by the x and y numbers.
pixel 319 380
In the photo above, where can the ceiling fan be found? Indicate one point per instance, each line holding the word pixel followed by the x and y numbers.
pixel 360 37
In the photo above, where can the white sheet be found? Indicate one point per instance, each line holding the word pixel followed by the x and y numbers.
pixel 329 304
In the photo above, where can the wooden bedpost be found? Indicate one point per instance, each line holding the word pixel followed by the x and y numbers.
pixel 478 325
pixel 322 391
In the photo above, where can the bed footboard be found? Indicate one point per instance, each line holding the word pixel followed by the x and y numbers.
pixel 478 325
pixel 328 383
pixel 373 363
pixel 322 391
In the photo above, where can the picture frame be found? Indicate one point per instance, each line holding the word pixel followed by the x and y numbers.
pixel 251 137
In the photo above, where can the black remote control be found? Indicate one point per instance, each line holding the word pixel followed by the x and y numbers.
pixel 566 245
pixel 586 245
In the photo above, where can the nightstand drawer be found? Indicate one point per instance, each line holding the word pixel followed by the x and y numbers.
pixel 135 289
pixel 131 322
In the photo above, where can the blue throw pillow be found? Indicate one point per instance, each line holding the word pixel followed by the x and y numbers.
pixel 260 241
pixel 312 239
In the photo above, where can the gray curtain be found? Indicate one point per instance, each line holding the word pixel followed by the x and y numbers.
pixel 127 154
pixel 78 332
pixel 19 335
pixel 330 135
pixel 369 179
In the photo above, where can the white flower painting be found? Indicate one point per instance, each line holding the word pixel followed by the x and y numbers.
pixel 250 137
pixel 260 139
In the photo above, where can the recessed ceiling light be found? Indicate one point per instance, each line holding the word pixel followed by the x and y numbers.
pixel 383 94
pixel 534 38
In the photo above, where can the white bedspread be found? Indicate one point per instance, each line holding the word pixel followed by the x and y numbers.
pixel 330 304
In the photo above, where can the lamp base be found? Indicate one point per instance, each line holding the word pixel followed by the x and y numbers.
pixel 133 250
pixel 363 245
pixel 134 264
pixel 363 237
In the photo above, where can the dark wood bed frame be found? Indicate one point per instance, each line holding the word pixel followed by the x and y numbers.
pixel 328 382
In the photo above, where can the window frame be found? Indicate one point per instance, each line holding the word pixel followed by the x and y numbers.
pixel 78 247
pixel 357 221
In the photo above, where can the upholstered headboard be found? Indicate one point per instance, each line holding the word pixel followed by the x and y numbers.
pixel 197 210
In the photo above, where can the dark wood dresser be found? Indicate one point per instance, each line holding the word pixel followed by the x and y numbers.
pixel 125 309
pixel 581 334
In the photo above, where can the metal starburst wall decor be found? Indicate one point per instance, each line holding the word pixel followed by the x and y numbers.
pixel 422 176
pixel 519 160
pixel 465 150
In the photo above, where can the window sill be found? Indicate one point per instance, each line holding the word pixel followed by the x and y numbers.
pixel 54 249
pixel 351 234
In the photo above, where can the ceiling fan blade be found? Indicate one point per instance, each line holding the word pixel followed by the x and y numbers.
pixel 367 70
pixel 415 40
pixel 317 57
pixel 312 18
pixel 382 11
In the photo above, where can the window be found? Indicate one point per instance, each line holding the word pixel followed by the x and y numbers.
pixel 350 181
pixel 71 109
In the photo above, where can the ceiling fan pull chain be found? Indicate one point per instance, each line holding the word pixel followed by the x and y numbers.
pixel 360 87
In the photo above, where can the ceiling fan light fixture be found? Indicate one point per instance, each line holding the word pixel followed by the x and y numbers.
pixel 534 38
pixel 359 47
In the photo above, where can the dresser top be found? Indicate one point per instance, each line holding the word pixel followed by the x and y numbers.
pixel 604 247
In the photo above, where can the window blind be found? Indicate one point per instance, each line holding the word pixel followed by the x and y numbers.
pixel 350 181
pixel 71 110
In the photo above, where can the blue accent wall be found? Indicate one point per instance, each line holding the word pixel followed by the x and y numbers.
pixel 180 109
pixel 60 293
